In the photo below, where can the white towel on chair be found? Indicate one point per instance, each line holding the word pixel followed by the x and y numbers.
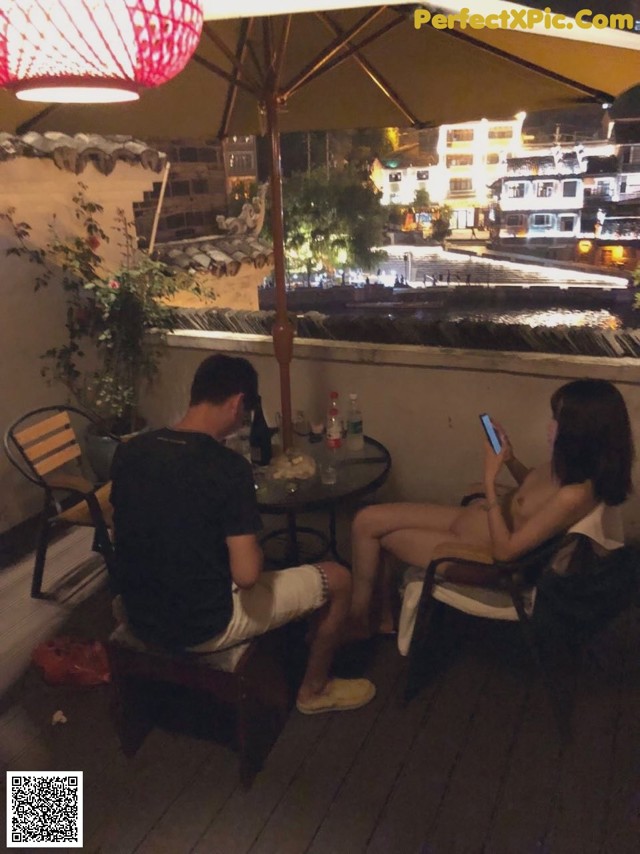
pixel 603 525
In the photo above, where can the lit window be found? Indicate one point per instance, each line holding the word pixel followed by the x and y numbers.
pixel 500 133
pixel 516 191
pixel 460 135
pixel 459 160
pixel 544 189
pixel 460 185
pixel 542 221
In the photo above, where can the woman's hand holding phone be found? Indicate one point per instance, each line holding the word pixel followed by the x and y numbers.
pixel 498 449
pixel 491 432
pixel 505 441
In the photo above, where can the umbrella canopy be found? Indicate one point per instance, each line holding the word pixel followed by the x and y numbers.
pixel 362 67
pixel 352 68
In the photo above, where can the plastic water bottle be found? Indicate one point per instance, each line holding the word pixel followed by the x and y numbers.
pixel 355 434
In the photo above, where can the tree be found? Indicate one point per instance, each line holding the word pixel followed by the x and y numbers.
pixel 441 225
pixel 421 200
pixel 331 221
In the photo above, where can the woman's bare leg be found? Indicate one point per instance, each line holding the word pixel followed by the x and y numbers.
pixel 414 546
pixel 369 527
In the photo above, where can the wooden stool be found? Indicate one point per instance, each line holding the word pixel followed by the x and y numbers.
pixel 249 680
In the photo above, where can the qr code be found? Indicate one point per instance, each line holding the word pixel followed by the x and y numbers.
pixel 44 809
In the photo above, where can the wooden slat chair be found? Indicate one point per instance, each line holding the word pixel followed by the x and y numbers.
pixel 42 445
pixel 551 609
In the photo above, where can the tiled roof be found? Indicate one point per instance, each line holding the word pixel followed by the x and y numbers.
pixel 72 153
pixel 220 255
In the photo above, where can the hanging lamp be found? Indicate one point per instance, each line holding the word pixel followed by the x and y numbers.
pixel 94 50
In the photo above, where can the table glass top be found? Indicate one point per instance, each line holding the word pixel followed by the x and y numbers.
pixel 358 472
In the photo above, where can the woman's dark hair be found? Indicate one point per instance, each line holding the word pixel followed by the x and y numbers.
pixel 219 377
pixel 593 441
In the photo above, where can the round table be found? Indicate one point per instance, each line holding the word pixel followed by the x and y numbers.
pixel 359 473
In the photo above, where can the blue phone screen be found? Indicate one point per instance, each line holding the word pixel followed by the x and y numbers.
pixel 490 430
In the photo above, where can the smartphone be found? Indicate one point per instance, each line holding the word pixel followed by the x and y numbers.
pixel 490 430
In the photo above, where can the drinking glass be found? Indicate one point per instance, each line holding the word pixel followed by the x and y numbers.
pixel 300 423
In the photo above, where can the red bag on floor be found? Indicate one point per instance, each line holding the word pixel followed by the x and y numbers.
pixel 69 661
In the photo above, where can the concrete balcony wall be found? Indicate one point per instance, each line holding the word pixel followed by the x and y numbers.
pixel 422 403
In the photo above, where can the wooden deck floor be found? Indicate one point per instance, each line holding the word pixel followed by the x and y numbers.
pixel 472 766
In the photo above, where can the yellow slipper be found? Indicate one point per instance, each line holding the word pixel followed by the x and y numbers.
pixel 340 695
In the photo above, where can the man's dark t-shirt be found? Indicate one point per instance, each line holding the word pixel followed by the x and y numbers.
pixel 176 496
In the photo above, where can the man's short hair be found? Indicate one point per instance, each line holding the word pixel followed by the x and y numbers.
pixel 219 377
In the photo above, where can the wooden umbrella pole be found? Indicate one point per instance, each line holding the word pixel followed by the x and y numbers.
pixel 282 329
pixel 156 218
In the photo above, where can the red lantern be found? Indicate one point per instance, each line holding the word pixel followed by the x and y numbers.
pixel 94 50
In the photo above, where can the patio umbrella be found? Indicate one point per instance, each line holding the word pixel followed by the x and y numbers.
pixel 364 67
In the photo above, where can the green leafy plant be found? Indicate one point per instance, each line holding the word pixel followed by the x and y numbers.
pixel 116 320
pixel 636 281
pixel 331 221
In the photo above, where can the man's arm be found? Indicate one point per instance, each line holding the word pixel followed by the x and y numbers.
pixel 245 559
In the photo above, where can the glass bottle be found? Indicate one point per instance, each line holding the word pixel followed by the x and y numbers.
pixel 355 435
pixel 260 437
pixel 334 423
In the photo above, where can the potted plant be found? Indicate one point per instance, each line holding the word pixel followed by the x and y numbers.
pixel 116 320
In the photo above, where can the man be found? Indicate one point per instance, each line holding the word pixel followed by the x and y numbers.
pixel 189 565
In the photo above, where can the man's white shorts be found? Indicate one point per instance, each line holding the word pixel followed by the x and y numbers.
pixel 275 599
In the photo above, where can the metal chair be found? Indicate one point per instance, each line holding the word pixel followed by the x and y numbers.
pixel 42 445
pixel 557 612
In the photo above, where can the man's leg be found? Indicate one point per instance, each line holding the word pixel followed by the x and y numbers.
pixel 327 629
pixel 320 592
pixel 318 692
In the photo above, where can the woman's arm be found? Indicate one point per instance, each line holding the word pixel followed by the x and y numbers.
pixel 570 504
pixel 517 469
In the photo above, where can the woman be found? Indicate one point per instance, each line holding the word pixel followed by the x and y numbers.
pixel 591 456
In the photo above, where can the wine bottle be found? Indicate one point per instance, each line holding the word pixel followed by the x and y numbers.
pixel 260 437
